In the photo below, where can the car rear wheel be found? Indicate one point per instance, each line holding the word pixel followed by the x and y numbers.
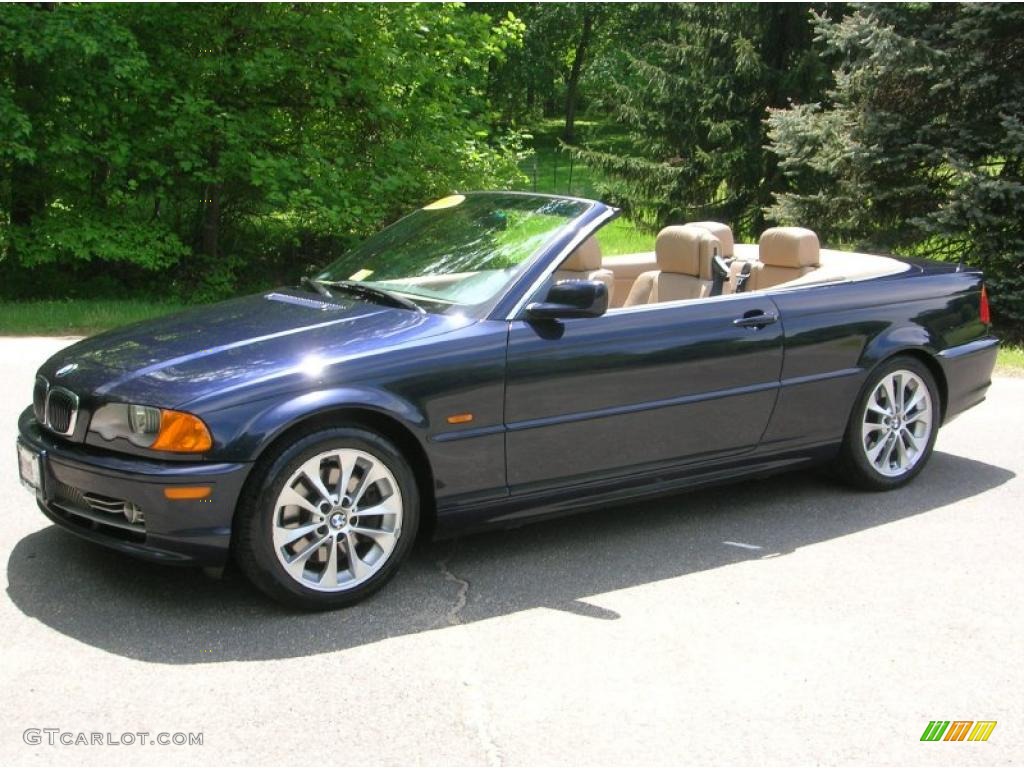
pixel 330 520
pixel 893 426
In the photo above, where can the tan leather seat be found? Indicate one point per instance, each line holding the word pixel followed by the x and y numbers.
pixel 584 263
pixel 722 232
pixel 683 256
pixel 784 254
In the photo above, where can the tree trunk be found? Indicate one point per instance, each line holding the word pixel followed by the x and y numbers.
pixel 211 220
pixel 572 86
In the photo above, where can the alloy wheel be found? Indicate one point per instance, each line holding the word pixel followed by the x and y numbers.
pixel 337 520
pixel 897 423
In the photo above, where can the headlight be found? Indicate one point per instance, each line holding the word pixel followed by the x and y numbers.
pixel 155 428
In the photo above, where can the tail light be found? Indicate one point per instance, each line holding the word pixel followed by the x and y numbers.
pixel 983 312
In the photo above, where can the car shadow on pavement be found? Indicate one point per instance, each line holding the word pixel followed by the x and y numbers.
pixel 178 616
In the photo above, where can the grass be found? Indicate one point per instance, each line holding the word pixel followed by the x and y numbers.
pixel 623 236
pixel 1010 361
pixel 78 317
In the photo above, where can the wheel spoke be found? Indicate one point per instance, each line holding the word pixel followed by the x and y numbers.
pixel 355 564
pixel 385 539
pixel 890 444
pixel 344 476
pixel 389 506
pixel 875 452
pixel 329 578
pixel 286 536
pixel 297 565
pixel 923 416
pixel 290 497
pixel 899 452
pixel 871 428
pixel 915 400
pixel 911 439
pixel 874 407
pixel 311 471
pixel 890 393
pixel 899 388
pixel 372 476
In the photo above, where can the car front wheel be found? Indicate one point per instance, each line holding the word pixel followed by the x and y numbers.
pixel 334 515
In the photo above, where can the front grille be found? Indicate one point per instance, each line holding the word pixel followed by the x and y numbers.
pixel 69 496
pixel 116 517
pixel 39 399
pixel 110 506
pixel 61 410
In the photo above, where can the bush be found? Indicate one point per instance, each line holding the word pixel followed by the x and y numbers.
pixel 202 149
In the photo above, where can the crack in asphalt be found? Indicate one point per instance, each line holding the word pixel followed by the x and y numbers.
pixel 477 717
pixel 454 615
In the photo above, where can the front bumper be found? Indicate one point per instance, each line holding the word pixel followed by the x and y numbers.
pixel 81 485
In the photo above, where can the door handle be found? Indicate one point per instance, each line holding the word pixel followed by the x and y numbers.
pixel 756 318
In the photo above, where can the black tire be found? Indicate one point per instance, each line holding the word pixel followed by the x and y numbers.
pixel 253 536
pixel 853 466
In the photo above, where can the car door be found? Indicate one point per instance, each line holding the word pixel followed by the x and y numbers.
pixel 638 388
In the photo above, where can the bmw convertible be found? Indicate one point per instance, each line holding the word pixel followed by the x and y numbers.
pixel 479 364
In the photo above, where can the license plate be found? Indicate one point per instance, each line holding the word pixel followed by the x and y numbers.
pixel 29 468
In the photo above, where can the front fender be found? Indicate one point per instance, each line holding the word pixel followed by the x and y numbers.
pixel 247 437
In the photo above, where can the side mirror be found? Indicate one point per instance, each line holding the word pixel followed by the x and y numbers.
pixel 571 298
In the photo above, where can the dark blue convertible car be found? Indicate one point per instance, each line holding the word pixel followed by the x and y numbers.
pixel 478 363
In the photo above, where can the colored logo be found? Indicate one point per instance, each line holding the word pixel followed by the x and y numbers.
pixel 958 730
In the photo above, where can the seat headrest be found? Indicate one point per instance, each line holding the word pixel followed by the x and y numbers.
pixel 686 250
pixel 585 258
pixel 788 247
pixel 722 232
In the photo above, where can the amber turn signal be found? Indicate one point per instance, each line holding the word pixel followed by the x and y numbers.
pixel 460 418
pixel 182 492
pixel 182 433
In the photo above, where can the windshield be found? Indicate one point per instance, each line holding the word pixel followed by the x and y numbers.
pixel 457 254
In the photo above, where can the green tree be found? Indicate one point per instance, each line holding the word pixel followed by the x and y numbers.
pixel 546 75
pixel 919 147
pixel 693 99
pixel 204 144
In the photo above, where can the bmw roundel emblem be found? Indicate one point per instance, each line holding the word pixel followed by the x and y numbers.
pixel 64 370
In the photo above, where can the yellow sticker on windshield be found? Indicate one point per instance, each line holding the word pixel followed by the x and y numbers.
pixel 445 202
pixel 362 274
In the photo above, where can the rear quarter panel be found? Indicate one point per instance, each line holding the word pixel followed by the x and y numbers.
pixel 837 333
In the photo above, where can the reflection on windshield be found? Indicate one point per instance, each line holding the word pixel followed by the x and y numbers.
pixel 462 253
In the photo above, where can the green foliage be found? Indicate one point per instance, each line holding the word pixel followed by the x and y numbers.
pixel 548 170
pixel 195 151
pixel 693 97
pixel 203 147
pixel 530 82
pixel 919 146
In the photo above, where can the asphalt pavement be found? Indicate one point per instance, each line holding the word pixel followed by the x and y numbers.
pixel 775 622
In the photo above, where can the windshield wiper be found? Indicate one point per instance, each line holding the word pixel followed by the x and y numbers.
pixel 316 286
pixel 368 291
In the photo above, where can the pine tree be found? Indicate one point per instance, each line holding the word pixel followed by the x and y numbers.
pixel 919 146
pixel 693 100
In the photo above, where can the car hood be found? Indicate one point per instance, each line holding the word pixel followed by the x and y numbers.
pixel 196 354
